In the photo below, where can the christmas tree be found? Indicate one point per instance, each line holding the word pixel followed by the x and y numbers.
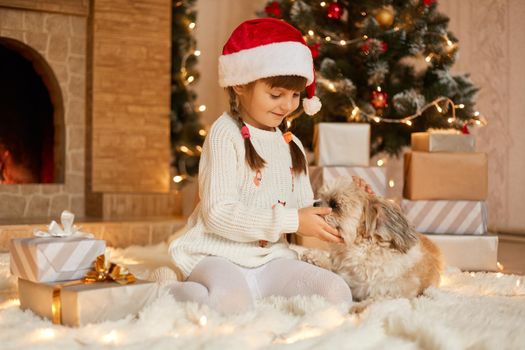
pixel 385 62
pixel 187 133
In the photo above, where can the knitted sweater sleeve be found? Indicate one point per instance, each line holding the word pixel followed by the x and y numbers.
pixel 305 195
pixel 222 211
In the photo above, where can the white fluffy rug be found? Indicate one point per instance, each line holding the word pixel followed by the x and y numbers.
pixel 468 311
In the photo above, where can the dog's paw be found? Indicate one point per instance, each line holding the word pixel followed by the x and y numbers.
pixel 360 307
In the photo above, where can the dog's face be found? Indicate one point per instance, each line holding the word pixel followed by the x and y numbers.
pixel 361 217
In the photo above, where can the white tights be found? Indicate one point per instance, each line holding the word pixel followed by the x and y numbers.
pixel 229 288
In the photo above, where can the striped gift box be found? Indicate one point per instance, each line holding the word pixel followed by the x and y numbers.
pixel 52 259
pixel 374 176
pixel 442 216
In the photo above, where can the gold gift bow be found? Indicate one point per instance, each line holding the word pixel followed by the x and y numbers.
pixel 103 271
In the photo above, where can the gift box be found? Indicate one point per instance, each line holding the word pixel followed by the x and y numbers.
pixel 449 176
pixel 342 144
pixel 452 217
pixel 50 259
pixel 62 253
pixel 468 252
pixel 80 304
pixel 374 176
pixel 442 142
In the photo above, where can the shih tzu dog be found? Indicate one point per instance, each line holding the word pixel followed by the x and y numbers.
pixel 382 255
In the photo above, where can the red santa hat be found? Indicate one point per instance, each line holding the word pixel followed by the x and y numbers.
pixel 268 47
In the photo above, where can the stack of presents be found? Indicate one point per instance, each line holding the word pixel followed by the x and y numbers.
pixel 445 187
pixel 65 276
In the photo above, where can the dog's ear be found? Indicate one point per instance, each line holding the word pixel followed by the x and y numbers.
pixel 390 225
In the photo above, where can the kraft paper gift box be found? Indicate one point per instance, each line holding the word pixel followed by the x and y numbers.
pixel 50 259
pixel 342 144
pixel 442 142
pixel 448 176
pixel 82 304
pixel 468 252
pixel 452 217
pixel 374 176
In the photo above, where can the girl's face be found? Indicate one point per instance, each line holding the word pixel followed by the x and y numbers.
pixel 265 107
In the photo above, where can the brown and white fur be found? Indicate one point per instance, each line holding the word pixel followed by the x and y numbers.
pixel 382 255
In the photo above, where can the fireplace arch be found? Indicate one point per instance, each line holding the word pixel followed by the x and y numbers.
pixel 32 137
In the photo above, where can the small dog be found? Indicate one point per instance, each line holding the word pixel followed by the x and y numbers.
pixel 382 255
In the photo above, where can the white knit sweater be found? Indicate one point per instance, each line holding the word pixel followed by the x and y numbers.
pixel 236 209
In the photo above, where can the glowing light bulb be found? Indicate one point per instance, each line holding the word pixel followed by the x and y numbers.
pixel 450 120
pixel 428 58
pixel 177 179
pixel 203 320
pixel 184 149
pixel 111 337
pixel 365 37
pixel 327 38
pixel 500 266
pixel 323 4
pixel 288 123
pixel 342 42
pixel 377 119
pixel 311 32
pixel 202 132
pixel 439 109
pixel 408 122
pixel 197 53
pixel 354 111
pixel 199 148
pixel 476 114
pixel 379 88
pixel 202 108
pixel 449 43
pixel 478 122
pixel 191 25
pixel 461 105
pixel 380 162
pixel 331 86
pixel 391 183
pixel 191 78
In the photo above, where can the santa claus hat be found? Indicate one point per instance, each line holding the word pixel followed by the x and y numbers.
pixel 268 47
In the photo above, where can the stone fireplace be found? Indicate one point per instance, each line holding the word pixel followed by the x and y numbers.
pixel 106 68
pixel 55 45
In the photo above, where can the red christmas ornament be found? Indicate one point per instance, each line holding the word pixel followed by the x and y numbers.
pixel 314 48
pixel 379 99
pixel 464 130
pixel 429 2
pixel 374 45
pixel 383 46
pixel 334 10
pixel 273 9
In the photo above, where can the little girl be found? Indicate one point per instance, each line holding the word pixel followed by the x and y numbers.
pixel 253 181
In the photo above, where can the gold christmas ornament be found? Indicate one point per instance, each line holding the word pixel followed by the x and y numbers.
pixel 385 16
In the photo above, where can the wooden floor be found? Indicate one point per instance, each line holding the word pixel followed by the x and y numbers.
pixel 511 253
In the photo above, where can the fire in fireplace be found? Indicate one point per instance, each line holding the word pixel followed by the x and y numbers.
pixel 27 131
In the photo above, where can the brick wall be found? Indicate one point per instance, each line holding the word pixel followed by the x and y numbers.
pixel 131 96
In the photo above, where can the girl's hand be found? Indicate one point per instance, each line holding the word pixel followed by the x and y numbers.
pixel 362 183
pixel 312 224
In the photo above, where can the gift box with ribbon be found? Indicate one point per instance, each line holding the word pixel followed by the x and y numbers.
pixel 61 254
pixel 108 292
pixel 442 141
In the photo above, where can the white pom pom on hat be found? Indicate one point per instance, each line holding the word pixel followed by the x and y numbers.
pixel 268 47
